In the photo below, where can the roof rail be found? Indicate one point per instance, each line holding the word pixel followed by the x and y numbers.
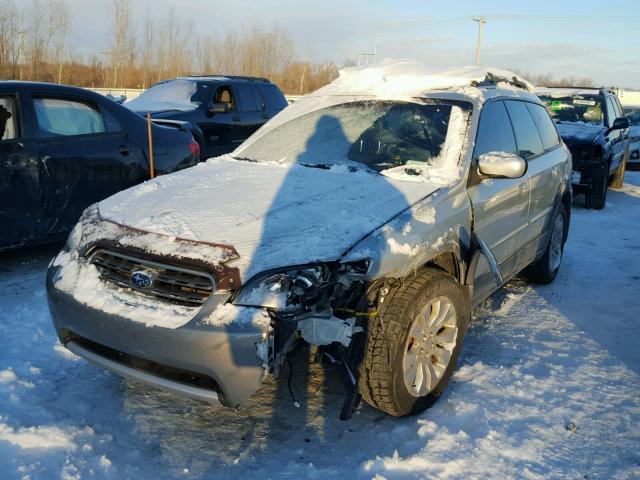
pixel 573 87
pixel 493 80
pixel 234 77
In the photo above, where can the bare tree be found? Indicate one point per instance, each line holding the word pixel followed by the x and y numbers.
pixel 122 38
pixel 11 39
pixel 59 21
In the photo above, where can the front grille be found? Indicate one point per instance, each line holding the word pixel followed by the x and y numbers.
pixel 171 283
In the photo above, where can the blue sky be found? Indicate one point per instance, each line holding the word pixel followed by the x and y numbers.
pixel 582 38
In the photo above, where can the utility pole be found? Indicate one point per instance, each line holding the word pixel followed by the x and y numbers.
pixel 481 22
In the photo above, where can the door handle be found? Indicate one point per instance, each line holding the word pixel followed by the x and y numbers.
pixel 124 150
pixel 235 119
pixel 265 116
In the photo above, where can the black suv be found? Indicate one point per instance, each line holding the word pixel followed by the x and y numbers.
pixel 592 125
pixel 223 110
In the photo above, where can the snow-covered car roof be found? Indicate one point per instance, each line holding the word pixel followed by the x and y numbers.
pixel 403 80
pixel 393 78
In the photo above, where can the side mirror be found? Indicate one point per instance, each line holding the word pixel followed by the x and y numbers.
pixel 219 108
pixel 619 123
pixel 501 165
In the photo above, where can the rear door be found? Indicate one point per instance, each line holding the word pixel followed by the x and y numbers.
pixel 500 206
pixel 21 212
pixel 86 156
pixel 251 109
pixel 546 174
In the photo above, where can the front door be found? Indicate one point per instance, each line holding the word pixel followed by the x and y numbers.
pixel 85 156
pixel 21 214
pixel 500 206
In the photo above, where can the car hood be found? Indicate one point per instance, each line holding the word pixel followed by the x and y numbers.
pixel 272 215
pixel 579 133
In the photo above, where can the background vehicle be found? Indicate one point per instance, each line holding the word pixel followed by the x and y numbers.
pixel 64 148
pixel 594 128
pixel 633 114
pixel 367 224
pixel 223 110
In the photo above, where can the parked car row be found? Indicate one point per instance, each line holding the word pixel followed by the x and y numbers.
pixel 367 219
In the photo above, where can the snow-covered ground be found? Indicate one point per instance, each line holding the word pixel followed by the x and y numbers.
pixel 548 386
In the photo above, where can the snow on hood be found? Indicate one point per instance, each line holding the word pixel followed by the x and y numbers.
pixel 171 95
pixel 274 215
pixel 579 132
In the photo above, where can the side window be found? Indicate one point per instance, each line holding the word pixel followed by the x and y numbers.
pixel 546 128
pixel 224 95
pixel 275 97
pixel 7 119
pixel 617 107
pixel 246 98
pixel 611 111
pixel 527 136
pixel 494 132
pixel 60 118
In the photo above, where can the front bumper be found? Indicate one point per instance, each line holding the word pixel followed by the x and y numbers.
pixel 217 364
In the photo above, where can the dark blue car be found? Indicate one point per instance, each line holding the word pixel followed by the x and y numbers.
pixel 223 110
pixel 63 148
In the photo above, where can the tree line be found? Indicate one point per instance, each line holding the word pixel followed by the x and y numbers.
pixel 36 44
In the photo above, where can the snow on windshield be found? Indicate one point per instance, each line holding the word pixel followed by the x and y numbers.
pixel 171 95
pixel 383 136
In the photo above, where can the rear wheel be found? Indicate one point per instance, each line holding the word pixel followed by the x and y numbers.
pixel 413 343
pixel 596 197
pixel 546 268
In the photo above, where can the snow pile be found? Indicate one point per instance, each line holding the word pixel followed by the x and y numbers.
pixel 41 437
pixel 170 95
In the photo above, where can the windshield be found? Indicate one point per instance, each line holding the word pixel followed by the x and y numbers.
pixel 380 135
pixel 633 114
pixel 574 108
pixel 170 95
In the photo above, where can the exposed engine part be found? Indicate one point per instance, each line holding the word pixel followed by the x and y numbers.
pixel 328 329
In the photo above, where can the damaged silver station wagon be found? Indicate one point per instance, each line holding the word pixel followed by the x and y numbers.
pixel 367 219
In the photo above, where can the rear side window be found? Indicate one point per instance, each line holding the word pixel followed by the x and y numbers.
pixel 546 128
pixel 59 117
pixel 259 99
pixel 7 119
pixel 527 136
pixel 494 132
pixel 246 98
pixel 274 97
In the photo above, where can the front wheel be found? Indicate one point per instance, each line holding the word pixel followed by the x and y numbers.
pixel 546 268
pixel 413 343
pixel 596 197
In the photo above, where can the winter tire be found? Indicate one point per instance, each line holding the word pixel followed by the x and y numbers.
pixel 413 343
pixel 596 197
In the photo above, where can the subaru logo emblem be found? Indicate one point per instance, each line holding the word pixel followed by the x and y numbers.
pixel 141 278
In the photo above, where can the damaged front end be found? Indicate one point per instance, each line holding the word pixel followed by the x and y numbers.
pixel 324 305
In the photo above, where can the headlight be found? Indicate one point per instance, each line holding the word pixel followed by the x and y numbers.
pixel 285 290
pixel 73 240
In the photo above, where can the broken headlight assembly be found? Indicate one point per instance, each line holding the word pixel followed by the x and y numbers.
pixel 288 291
